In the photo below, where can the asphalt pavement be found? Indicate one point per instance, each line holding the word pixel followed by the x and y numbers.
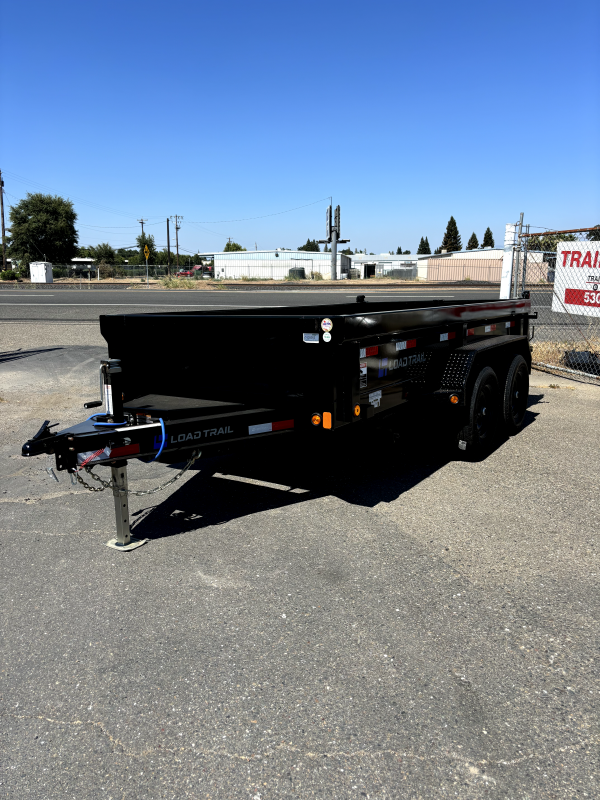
pixel 34 318
pixel 394 624
pixel 86 305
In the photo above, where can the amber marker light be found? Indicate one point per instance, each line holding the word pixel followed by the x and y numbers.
pixel 327 419
pixel 454 399
pixel 357 411
pixel 316 419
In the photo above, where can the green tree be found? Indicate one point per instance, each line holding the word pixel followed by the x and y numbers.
pixel 161 257
pixel 407 252
pixel 143 240
pixel 104 253
pixel 124 254
pixel 232 247
pixel 594 235
pixel 548 242
pixel 311 245
pixel 398 251
pixel 451 241
pixel 424 249
pixel 42 227
pixel 473 243
pixel 347 251
pixel 488 238
pixel 437 251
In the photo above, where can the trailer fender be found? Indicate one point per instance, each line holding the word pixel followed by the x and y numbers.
pixel 465 363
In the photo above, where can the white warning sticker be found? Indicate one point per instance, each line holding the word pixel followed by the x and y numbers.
pixel 363 374
pixel 375 398
pixel 310 338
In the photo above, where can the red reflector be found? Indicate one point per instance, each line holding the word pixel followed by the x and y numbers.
pixel 411 343
pixel 372 351
pixel 452 335
pixel 470 331
pixel 284 425
pixel 126 450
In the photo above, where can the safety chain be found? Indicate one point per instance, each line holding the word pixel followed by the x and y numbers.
pixel 109 484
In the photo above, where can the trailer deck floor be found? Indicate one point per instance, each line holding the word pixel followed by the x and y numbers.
pixel 162 405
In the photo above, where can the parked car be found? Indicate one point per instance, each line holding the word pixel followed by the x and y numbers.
pixel 199 270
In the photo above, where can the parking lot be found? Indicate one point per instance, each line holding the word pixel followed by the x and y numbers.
pixel 395 624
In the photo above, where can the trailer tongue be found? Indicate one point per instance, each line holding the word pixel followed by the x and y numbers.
pixel 307 371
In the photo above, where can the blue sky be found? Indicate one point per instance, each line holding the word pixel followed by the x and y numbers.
pixel 405 113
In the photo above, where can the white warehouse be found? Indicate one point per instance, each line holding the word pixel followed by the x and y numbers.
pixel 277 264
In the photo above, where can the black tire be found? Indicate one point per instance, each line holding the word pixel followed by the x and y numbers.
pixel 483 423
pixel 516 395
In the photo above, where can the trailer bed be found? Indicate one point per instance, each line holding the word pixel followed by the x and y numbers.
pixel 182 383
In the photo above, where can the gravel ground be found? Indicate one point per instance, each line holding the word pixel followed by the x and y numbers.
pixel 398 624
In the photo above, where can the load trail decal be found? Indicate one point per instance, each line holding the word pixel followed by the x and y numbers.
pixel 187 437
pixel 391 364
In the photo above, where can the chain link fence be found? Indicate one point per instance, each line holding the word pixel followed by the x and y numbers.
pixel 561 270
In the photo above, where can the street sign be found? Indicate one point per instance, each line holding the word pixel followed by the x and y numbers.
pixel 328 224
pixel 336 221
pixel 146 251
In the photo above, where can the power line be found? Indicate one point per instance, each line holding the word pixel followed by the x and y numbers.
pixel 108 227
pixel 263 216
pixel 110 210
pixel 20 178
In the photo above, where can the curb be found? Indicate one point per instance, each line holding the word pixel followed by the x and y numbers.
pixel 259 287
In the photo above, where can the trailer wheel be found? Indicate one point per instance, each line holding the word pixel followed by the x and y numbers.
pixel 484 414
pixel 516 395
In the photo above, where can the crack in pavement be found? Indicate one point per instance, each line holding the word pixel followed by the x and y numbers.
pixel 472 766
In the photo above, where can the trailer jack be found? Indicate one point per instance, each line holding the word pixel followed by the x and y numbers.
pixel 123 540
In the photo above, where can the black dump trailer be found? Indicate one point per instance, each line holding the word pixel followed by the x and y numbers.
pixel 181 384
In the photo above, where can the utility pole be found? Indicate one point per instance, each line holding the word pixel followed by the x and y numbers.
pixel 141 221
pixel 3 232
pixel 168 250
pixel 332 237
pixel 176 217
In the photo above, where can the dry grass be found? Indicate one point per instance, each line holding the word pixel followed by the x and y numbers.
pixel 190 283
pixel 553 353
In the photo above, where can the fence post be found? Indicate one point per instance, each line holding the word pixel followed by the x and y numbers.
pixel 507 262
pixel 524 279
pixel 518 265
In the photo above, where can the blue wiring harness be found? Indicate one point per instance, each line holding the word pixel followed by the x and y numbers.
pixel 164 439
pixel 116 424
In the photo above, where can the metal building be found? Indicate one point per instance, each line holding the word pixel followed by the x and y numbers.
pixel 277 265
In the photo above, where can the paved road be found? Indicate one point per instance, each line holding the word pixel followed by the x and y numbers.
pixel 86 306
pixel 402 625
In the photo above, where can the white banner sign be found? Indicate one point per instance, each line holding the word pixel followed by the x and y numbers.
pixel 577 278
